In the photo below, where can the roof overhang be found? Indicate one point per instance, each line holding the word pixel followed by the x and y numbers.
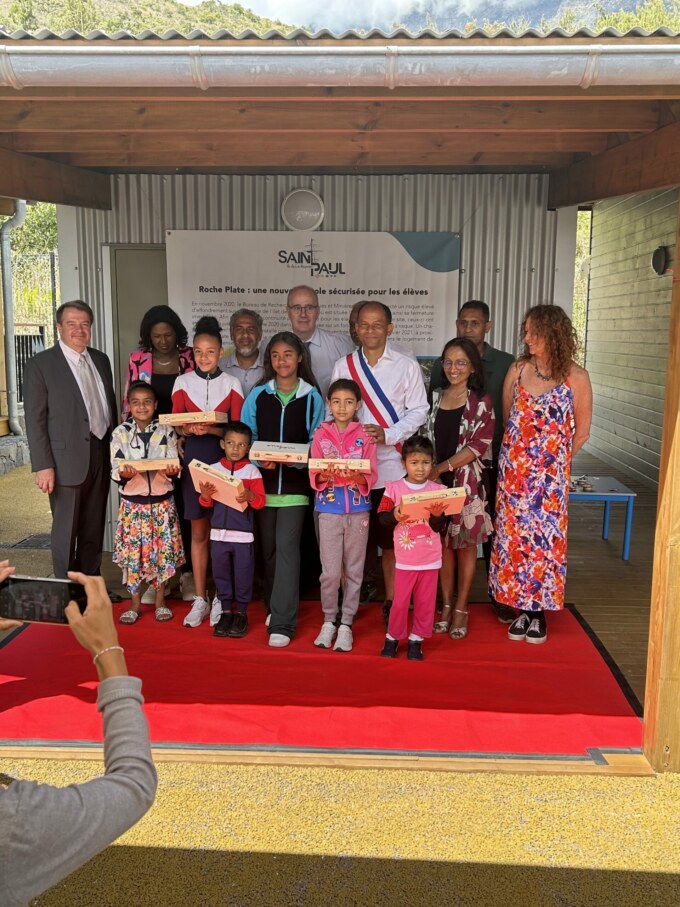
pixel 598 114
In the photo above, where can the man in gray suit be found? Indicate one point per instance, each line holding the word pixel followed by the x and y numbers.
pixel 70 408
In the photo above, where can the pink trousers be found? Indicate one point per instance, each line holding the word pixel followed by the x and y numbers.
pixel 423 585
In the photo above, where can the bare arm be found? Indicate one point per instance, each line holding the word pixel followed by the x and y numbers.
pixel 583 406
pixel 508 390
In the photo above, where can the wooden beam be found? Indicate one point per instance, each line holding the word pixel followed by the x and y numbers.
pixel 402 115
pixel 662 696
pixel 7 206
pixel 649 93
pixel 357 156
pixel 245 145
pixel 650 162
pixel 24 176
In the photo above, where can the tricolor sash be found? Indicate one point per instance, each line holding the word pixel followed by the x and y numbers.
pixel 372 394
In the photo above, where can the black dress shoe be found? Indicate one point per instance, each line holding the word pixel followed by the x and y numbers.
pixel 115 598
pixel 223 625
pixel 239 625
pixel 415 650
pixel 387 607
pixel 389 650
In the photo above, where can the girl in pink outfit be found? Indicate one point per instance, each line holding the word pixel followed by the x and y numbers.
pixel 343 504
pixel 417 549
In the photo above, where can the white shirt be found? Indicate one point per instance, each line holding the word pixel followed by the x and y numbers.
pixel 73 359
pixel 401 380
pixel 248 377
pixel 325 348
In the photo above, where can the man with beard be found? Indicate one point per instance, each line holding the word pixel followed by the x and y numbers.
pixel 245 363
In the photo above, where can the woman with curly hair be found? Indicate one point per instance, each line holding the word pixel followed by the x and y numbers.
pixel 547 404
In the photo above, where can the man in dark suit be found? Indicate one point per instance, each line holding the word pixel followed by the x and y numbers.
pixel 70 408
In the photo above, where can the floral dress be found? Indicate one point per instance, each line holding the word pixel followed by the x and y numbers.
pixel 148 545
pixel 529 556
pixel 472 525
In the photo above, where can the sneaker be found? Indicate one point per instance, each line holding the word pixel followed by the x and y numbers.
pixel 344 641
pixel 504 613
pixel 278 640
pixel 387 607
pixel 325 638
pixel 367 593
pixel 149 597
pixel 389 650
pixel 518 629
pixel 199 611
pixel 187 589
pixel 537 632
pixel 239 625
pixel 415 650
pixel 215 611
pixel 223 625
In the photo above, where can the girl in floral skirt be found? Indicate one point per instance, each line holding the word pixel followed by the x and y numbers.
pixel 148 546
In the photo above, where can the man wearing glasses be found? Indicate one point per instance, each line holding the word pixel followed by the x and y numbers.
pixel 474 323
pixel 325 347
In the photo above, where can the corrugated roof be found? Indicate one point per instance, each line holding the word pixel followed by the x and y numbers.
pixel 45 34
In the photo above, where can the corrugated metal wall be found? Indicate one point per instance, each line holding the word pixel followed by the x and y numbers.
pixel 507 234
pixel 628 323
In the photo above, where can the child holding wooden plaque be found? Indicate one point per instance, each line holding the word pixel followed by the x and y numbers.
pixel 207 389
pixel 343 503
pixel 232 546
pixel 285 407
pixel 148 544
pixel 417 549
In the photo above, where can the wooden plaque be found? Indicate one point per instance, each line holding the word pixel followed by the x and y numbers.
pixel 279 453
pixel 210 417
pixel 415 504
pixel 227 486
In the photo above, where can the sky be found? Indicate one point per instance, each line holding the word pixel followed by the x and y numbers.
pixel 340 15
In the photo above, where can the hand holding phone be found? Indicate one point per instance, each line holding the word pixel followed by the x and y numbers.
pixel 31 598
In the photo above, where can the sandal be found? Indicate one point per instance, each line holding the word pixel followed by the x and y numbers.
pixel 442 625
pixel 129 617
pixel 163 613
pixel 459 632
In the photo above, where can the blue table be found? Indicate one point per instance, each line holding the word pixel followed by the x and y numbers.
pixel 610 491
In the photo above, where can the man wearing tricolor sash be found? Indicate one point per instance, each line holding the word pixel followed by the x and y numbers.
pixel 393 407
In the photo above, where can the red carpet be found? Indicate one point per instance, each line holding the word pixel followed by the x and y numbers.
pixel 482 695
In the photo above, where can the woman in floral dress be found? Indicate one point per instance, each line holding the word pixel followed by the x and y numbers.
pixel 547 402
pixel 460 426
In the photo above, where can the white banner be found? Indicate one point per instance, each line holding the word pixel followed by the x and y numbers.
pixel 214 272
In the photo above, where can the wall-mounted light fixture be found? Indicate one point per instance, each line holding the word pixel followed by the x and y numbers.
pixel 660 260
pixel 302 209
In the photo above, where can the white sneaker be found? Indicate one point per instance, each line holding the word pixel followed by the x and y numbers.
pixel 278 640
pixel 344 641
pixel 187 589
pixel 149 597
pixel 325 638
pixel 215 611
pixel 199 611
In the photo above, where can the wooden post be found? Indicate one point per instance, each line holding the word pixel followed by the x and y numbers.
pixel 662 695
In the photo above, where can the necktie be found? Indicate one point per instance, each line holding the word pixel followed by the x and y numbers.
pixel 93 402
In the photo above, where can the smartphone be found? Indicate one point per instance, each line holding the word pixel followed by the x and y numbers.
pixel 40 600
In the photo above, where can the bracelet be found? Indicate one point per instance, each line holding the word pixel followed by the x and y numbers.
pixel 104 651
pixel 450 466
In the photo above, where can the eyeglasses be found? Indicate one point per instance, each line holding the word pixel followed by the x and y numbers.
pixel 458 363
pixel 300 309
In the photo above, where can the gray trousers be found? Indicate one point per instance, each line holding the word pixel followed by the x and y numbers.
pixel 342 543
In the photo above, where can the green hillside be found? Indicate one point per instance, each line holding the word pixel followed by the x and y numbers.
pixel 132 15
